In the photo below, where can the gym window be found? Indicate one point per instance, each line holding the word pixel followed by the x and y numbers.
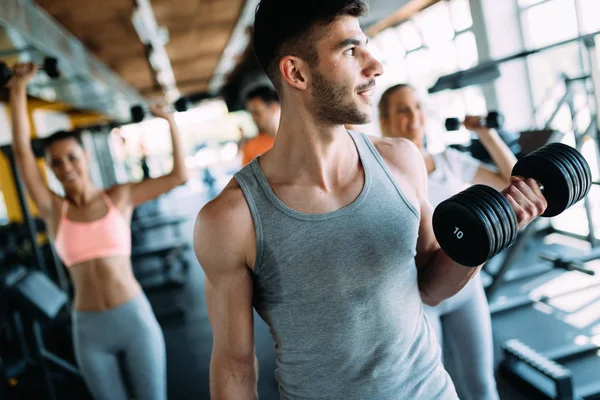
pixel 435 42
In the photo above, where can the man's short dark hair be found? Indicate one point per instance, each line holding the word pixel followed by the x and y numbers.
pixel 265 93
pixel 63 135
pixel 280 30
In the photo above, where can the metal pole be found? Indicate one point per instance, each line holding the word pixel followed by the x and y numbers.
pixel 590 44
pixel 28 220
pixel 487 64
pixel 39 349
pixel 578 136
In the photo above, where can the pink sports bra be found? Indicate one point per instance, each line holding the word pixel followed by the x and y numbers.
pixel 77 242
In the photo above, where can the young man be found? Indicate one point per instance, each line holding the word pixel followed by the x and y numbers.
pixel 263 104
pixel 328 234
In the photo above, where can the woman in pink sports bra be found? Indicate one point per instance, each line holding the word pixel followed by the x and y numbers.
pixel 90 228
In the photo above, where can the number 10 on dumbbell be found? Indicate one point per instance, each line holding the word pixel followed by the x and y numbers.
pixel 479 222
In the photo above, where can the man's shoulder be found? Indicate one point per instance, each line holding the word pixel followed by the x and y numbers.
pixel 399 152
pixel 228 204
pixel 226 215
pixel 223 231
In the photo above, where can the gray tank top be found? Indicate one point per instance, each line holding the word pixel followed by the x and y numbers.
pixel 339 292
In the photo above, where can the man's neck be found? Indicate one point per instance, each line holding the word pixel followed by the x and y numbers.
pixel 310 152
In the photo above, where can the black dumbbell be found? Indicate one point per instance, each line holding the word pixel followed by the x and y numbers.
pixel 494 119
pixel 479 222
pixel 138 112
pixel 50 66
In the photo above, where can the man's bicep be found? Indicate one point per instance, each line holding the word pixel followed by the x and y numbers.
pixel 228 290
pixel 427 244
pixel 229 305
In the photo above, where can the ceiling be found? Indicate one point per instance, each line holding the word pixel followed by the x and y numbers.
pixel 199 44
pixel 198 32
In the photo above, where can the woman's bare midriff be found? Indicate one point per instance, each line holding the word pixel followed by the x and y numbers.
pixel 103 284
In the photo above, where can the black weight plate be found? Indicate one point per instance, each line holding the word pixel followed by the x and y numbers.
pixel 452 124
pixel 487 212
pixel 471 201
pixel 494 119
pixel 461 232
pixel 585 167
pixel 551 175
pixel 579 177
pixel 569 171
pixel 137 113
pixel 51 67
pixel 508 215
pixel 503 212
pixel 5 74
pixel 482 201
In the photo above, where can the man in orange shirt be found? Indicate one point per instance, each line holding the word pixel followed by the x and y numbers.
pixel 263 104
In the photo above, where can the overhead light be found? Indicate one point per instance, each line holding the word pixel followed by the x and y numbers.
pixel 150 33
pixel 238 43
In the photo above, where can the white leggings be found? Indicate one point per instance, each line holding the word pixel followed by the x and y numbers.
pixel 464 323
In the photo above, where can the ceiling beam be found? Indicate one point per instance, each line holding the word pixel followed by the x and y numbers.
pixel 238 43
pixel 403 13
pixel 40 30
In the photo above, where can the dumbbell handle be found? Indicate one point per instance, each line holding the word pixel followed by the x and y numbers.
pixel 559 262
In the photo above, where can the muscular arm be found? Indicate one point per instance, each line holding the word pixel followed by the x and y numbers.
pixel 24 157
pixel 152 188
pixel 439 277
pixel 219 235
pixel 502 156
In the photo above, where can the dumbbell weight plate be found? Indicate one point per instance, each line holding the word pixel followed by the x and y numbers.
pixel 501 221
pixel 579 177
pixel 452 124
pixel 474 203
pixel 5 74
pixel 579 171
pixel 494 120
pixel 554 178
pixel 481 200
pixel 569 171
pixel 51 67
pixel 137 113
pixel 507 215
pixel 584 167
pixel 462 231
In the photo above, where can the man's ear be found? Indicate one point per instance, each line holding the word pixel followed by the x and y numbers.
pixel 295 72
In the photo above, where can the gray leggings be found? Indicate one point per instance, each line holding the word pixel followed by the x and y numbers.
pixel 465 323
pixel 129 332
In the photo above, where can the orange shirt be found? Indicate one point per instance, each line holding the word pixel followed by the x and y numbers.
pixel 256 146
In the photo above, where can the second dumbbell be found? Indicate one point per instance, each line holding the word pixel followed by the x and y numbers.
pixel 50 66
pixel 138 112
pixel 494 120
